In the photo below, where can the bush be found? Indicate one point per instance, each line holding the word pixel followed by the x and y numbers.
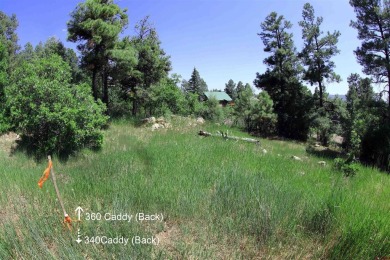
pixel 52 115
pixel 256 113
pixel 166 98
pixel 194 106
pixel 4 124
pixel 212 110
pixel 348 168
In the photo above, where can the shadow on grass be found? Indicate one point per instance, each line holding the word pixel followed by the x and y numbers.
pixel 127 120
pixel 25 146
pixel 324 152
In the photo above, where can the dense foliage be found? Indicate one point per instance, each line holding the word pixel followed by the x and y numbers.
pixel 8 49
pixel 52 115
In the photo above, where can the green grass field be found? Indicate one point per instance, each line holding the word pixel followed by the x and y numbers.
pixel 219 200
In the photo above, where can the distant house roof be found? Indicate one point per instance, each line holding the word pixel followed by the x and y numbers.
pixel 218 96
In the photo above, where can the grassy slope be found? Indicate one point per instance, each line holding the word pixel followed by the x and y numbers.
pixel 220 199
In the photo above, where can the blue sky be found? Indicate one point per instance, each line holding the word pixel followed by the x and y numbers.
pixel 218 37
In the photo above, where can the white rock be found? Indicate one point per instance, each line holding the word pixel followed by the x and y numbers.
pixel 296 158
pixel 264 151
pixel 155 126
pixel 200 120
pixel 160 120
pixel 323 163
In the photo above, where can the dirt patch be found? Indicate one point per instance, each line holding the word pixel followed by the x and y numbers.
pixel 168 236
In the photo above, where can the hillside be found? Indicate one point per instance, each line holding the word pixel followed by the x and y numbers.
pixel 207 198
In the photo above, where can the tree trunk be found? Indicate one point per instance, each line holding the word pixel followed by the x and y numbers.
pixel 321 94
pixel 135 107
pixel 388 95
pixel 105 87
pixel 94 89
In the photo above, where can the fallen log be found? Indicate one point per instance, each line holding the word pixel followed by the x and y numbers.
pixel 226 136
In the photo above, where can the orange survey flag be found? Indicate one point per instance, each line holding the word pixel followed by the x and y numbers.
pixel 68 221
pixel 45 175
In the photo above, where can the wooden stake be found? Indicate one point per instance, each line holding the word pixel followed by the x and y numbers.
pixel 53 178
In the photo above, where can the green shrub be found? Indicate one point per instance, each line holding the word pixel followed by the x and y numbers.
pixel 348 168
pixel 256 114
pixel 212 110
pixel 4 124
pixel 194 106
pixel 52 115
pixel 166 98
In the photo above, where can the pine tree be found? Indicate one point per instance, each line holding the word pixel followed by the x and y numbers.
pixel 196 84
pixel 318 51
pixel 231 89
pixel 281 79
pixel 96 25
pixel 240 86
pixel 373 26
pixel 8 50
pixel 153 64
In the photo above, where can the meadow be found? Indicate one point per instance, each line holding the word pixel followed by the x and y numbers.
pixel 220 199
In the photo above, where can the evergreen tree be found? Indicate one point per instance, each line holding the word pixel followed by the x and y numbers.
pixel 96 25
pixel 243 108
pixel 185 86
pixel 361 113
pixel 248 87
pixel 255 114
pixel 318 51
pixel 196 84
pixel 231 89
pixel 8 50
pixel 373 26
pixel 240 87
pixel 9 38
pixel 290 99
pixel 153 63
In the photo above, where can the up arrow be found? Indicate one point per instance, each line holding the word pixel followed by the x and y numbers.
pixel 78 211
pixel 78 240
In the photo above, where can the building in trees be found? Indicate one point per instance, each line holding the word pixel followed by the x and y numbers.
pixel 223 98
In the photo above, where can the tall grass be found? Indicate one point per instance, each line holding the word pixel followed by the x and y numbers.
pixel 220 199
